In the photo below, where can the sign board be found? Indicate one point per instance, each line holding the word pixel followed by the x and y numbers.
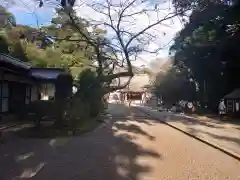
pixel 134 96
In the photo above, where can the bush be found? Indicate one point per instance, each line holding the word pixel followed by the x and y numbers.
pixel 90 92
pixel 78 110
pixel 96 108
pixel 41 109
pixel 64 84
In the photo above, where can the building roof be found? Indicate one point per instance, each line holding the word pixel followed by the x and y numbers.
pixel 46 73
pixel 137 83
pixel 38 73
pixel 14 61
pixel 233 95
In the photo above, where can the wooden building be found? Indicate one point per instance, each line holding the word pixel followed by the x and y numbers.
pixel 16 85
pixel 20 84
pixel 232 101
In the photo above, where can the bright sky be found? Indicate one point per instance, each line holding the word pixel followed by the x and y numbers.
pixel 28 13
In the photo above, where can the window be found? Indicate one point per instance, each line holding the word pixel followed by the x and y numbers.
pixel 28 95
pixel 237 106
pixel 47 91
pixel 44 95
pixel 4 97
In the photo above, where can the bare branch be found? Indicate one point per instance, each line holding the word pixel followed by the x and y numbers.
pixel 123 44
pixel 152 25
pixel 122 12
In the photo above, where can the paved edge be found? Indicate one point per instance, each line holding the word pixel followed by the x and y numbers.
pixel 215 146
pixel 10 126
pixel 13 125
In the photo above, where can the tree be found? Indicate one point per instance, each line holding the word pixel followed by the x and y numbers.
pixel 75 54
pixel 35 46
pixel 207 46
pixel 64 83
pixel 175 85
pixel 122 44
pixel 3 45
pixel 7 19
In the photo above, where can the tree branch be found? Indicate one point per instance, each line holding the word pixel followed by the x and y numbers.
pixel 114 88
pixel 152 25
pixel 114 76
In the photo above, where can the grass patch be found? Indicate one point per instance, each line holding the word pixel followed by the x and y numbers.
pixel 50 130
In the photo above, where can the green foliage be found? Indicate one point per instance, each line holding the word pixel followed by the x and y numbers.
pixel 90 91
pixel 175 85
pixel 42 50
pixel 208 47
pixel 41 109
pixel 87 81
pixel 78 112
pixel 3 45
pixel 19 52
pixel 7 20
pixel 63 84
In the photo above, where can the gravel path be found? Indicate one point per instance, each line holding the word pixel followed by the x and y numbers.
pixel 130 146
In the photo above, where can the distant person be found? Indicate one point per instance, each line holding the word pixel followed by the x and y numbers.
pixel 194 109
pixel 189 107
pixel 174 108
pixel 122 98
pixel 129 99
pixel 222 109
pixel 159 103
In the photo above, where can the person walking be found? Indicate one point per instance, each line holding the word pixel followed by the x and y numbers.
pixel 189 107
pixel 222 109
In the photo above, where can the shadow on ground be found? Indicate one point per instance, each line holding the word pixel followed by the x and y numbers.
pixel 109 152
pixel 210 128
pixel 235 140
pixel 225 133
pixel 188 120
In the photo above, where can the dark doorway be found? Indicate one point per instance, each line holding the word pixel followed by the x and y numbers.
pixel 17 97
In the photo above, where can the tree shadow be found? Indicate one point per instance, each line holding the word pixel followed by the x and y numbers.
pixel 22 158
pixel 188 120
pixel 134 129
pixel 222 134
pixel 229 120
pixel 210 131
pixel 238 128
pixel 111 151
pixel 215 119
pixel 224 138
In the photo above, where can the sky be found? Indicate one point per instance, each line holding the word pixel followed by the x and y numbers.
pixel 28 13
